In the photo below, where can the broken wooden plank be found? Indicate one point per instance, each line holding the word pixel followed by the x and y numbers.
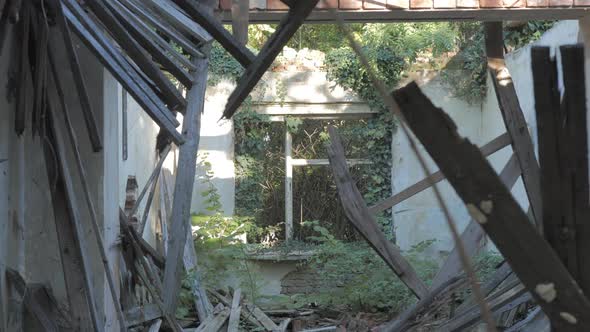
pixel 155 326
pixel 358 214
pixel 245 312
pixel 490 203
pixel 120 69
pixel 215 323
pixel 266 322
pixel 189 258
pixel 74 259
pixel 572 59
pixel 137 53
pixel 141 314
pixel 271 49
pixel 153 178
pixel 473 234
pixel 148 204
pixel 490 148
pixel 85 187
pixel 200 14
pixel 283 326
pixel 42 308
pixel 80 83
pixel 133 27
pixel 516 125
pixel 234 315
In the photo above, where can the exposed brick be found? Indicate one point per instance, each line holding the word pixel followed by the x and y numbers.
pixel 350 4
pixel 398 4
pixel 582 3
pixel 514 3
pixel 327 4
pixel 561 3
pixel 225 4
pixel 445 3
pixel 467 3
pixel 491 3
pixel 374 4
pixel 276 5
pixel 537 3
pixel 420 4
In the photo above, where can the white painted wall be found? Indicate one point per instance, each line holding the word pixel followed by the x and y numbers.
pixel 419 218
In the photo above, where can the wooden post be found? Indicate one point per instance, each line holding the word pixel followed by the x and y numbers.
pixel 184 184
pixel 288 184
pixel 240 12
pixel 516 125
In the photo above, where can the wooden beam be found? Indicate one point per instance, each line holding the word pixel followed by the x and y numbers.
pixel 473 234
pixel 200 14
pixel 79 81
pixel 70 235
pixel 146 39
pixel 234 315
pixel 516 125
pixel 492 205
pixel 183 187
pixel 240 12
pixel 141 314
pixel 114 61
pixel 178 19
pixel 271 49
pixel 189 258
pixel 490 148
pixel 24 71
pixel 358 214
pixel 150 18
pixel 137 53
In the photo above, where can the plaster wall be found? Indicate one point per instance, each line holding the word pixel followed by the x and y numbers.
pixel 419 218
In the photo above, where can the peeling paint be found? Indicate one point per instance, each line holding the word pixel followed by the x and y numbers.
pixel 568 317
pixel 476 214
pixel 546 291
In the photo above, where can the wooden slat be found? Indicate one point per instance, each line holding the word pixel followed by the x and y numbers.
pixel 271 49
pixel 215 323
pixel 139 315
pixel 144 13
pixel 128 20
pixel 473 234
pixel 189 258
pixel 137 53
pixel 234 315
pixel 514 120
pixel 240 12
pixel 199 13
pixel 572 59
pixel 358 214
pixel 491 204
pixel 71 237
pixel 80 83
pixel 121 70
pixel 176 17
pixel 266 322
pixel 246 311
pixel 153 178
pixel 490 148
pixel 23 88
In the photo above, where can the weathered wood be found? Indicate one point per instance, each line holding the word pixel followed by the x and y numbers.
pixel 80 83
pixel 15 295
pixel 3 26
pixel 234 315
pixel 70 235
pixel 139 315
pixel 120 69
pixel 23 87
pixel 137 54
pixel 149 17
pixel 245 312
pixel 176 17
pixel 266 322
pixel 491 204
pixel 240 12
pixel 536 321
pixel 514 120
pixel 14 10
pixel 200 14
pixel 558 215
pixel 358 214
pixel 146 248
pixel 189 258
pixel 271 49
pixel 283 326
pixel 39 37
pixel 41 308
pixel 473 234
pixel 85 187
pixel 490 148
pixel 572 59
pixel 215 323
pixel 148 204
pixel 183 188
pixel 126 19
pixel 155 327
pixel 152 179
pixel 403 321
pixel 165 207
